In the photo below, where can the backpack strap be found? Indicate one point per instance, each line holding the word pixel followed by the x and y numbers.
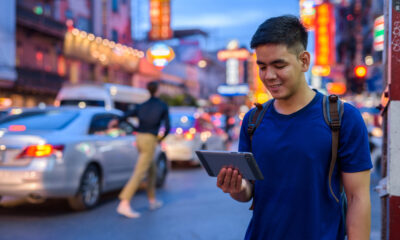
pixel 333 112
pixel 255 119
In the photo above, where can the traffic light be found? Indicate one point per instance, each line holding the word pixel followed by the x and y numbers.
pixel 360 71
pixel 357 82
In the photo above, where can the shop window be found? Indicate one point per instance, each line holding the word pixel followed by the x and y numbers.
pixel 47 61
pixel 83 23
pixel 115 6
pixel 61 66
pixel 47 10
pixel 114 35
pixel 19 56
pixel 69 14
pixel 39 59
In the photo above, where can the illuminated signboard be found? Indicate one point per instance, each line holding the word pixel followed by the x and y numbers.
pixel 324 35
pixel 336 88
pixel 160 18
pixel 233 90
pixel 241 54
pixel 379 33
pixel 322 71
pixel 232 55
pixel 160 55
pixel 307 13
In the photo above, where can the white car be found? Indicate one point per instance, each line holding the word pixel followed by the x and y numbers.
pixel 68 152
pixel 190 131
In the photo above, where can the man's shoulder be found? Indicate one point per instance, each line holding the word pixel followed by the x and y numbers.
pixel 350 111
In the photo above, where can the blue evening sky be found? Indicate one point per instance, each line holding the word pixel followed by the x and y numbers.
pixel 225 20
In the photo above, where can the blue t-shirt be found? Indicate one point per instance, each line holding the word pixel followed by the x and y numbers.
pixel 293 153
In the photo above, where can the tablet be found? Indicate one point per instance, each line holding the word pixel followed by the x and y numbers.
pixel 213 161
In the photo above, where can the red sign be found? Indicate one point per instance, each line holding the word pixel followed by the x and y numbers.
pixel 324 35
pixel 160 18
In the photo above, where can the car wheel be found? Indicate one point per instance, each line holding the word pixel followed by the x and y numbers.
pixel 162 170
pixel 89 190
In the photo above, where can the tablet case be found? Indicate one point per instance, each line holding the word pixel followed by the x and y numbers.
pixel 213 161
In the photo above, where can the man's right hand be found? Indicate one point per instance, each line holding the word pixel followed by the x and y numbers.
pixel 232 182
pixel 229 180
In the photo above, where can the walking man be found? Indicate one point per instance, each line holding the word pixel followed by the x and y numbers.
pixel 150 114
pixel 292 146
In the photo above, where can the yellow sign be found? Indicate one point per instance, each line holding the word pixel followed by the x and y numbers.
pixel 241 54
pixel 324 35
pixel 160 18
pixel 322 71
pixel 160 55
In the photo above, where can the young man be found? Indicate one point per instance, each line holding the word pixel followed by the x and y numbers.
pixel 151 114
pixel 292 146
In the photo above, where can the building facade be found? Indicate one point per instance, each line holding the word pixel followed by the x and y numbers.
pixel 59 41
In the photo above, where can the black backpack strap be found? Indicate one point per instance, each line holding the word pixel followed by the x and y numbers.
pixel 333 112
pixel 256 117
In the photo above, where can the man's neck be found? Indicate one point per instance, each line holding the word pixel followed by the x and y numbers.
pixel 300 99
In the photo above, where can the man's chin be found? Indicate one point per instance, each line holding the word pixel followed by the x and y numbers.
pixel 279 96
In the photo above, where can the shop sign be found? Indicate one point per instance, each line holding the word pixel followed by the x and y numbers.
pixel 324 35
pixel 379 33
pixel 160 55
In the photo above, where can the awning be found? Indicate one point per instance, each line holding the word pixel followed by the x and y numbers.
pixel 90 48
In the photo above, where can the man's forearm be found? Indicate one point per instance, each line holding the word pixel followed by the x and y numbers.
pixel 246 192
pixel 358 221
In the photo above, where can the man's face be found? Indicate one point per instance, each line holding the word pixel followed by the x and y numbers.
pixel 281 70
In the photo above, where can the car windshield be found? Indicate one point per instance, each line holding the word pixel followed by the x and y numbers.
pixel 39 120
pixel 93 103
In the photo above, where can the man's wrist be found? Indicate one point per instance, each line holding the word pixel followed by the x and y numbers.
pixel 246 192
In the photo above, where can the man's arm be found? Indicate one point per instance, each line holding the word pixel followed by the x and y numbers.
pixel 230 181
pixel 167 123
pixel 358 220
pixel 129 113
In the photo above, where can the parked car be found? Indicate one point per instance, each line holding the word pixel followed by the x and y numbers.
pixel 191 131
pixel 68 152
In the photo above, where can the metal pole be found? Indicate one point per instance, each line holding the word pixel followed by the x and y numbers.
pixel 391 114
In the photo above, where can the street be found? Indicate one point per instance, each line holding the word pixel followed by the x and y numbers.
pixel 194 208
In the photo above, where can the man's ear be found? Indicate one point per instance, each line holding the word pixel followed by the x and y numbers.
pixel 305 59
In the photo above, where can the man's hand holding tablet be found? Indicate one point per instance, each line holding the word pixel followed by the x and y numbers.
pixel 230 181
pixel 233 170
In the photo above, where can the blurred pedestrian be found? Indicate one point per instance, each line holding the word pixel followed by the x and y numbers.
pixel 292 147
pixel 151 114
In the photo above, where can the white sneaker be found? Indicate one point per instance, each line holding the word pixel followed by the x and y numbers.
pixel 155 205
pixel 127 212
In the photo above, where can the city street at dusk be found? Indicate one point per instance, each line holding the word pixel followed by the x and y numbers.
pixel 200 119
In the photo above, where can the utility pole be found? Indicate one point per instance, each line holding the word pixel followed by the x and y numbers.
pixel 391 120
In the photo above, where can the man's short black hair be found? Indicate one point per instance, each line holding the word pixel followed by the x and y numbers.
pixel 286 30
pixel 152 87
